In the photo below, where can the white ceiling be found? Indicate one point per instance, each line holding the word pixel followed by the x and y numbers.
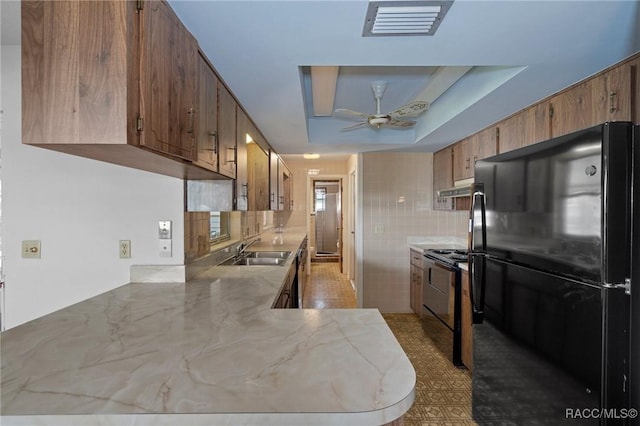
pixel 525 51
pixel 521 51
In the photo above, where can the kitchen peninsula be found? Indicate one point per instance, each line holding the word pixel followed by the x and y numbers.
pixel 211 351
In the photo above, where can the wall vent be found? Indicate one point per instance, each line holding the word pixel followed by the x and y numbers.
pixel 404 18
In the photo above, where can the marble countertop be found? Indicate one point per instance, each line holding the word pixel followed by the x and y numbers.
pixel 207 352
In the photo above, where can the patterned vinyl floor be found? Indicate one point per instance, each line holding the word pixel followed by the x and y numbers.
pixel 443 392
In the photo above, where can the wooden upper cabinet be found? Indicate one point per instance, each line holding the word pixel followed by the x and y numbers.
pixel 285 183
pixel 635 89
pixel 608 96
pixel 100 79
pixel 242 169
pixel 442 177
pixel 207 113
pixel 77 63
pixel 169 83
pixel 274 201
pixel 537 123
pixel 611 95
pixel 462 158
pixel 226 132
pixel 485 144
pixel 258 177
pixel 258 163
pixel 571 110
pixel 476 147
pixel 527 127
pixel 511 133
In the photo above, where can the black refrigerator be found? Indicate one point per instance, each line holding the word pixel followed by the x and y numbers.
pixel 554 263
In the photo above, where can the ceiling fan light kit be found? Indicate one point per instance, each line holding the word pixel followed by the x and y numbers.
pixel 393 119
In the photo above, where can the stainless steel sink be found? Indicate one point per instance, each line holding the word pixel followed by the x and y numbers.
pixel 259 258
pixel 267 254
pixel 267 261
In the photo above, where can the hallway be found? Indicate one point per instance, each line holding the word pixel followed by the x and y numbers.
pixel 443 392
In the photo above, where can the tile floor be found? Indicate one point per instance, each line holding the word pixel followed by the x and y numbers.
pixel 443 392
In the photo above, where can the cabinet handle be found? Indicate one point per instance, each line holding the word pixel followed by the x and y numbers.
pixel 272 196
pixel 612 107
pixel 233 148
pixel 468 166
pixel 475 159
pixel 245 189
pixel 191 114
pixel 214 142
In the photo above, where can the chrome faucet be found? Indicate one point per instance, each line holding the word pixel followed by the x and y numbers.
pixel 243 246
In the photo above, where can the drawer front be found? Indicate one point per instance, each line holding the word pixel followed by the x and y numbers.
pixel 416 258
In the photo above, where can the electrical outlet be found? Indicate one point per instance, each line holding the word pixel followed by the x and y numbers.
pixel 378 229
pixel 31 249
pixel 164 248
pixel 125 249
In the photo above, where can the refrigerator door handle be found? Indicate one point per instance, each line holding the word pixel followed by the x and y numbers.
pixel 478 192
pixel 477 288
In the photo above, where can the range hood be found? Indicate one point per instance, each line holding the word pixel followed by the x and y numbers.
pixel 461 188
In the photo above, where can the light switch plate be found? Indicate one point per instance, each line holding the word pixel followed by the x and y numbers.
pixel 31 249
pixel 164 229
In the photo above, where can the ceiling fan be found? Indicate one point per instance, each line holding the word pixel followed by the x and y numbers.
pixel 393 119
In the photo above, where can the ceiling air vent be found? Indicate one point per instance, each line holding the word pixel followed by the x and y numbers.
pixel 404 18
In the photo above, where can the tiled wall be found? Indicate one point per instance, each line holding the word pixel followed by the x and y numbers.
pixel 397 203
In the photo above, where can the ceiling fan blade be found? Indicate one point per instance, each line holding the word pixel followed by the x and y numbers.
pixel 356 126
pixel 400 124
pixel 412 109
pixel 348 113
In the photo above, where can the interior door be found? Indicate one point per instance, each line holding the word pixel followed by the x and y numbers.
pixel 328 219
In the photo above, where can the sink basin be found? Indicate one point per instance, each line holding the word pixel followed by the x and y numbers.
pixel 268 261
pixel 267 254
pixel 259 258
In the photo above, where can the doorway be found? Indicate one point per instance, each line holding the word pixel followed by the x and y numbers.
pixel 327 207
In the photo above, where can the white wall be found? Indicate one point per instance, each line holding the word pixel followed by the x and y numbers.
pixel 79 209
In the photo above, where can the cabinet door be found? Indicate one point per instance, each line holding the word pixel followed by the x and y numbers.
pixel 260 177
pixel 274 200
pixel 226 132
pixel 169 83
pixel 537 123
pixel 529 126
pixel 511 133
pixel 415 289
pixel 207 140
pixel 484 145
pixel 242 177
pixel 571 110
pixel 412 288
pixel 442 177
pixel 611 94
pixel 462 158
pixel 286 199
pixel 75 65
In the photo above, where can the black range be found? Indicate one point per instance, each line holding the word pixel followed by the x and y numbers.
pixel 442 291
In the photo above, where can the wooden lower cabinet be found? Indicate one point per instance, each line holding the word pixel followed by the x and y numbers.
pixel 415 289
pixel 466 323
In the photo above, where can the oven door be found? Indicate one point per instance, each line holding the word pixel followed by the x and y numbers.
pixel 439 291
